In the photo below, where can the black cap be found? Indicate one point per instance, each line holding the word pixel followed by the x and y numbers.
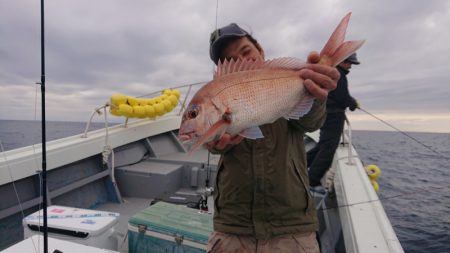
pixel 219 36
pixel 352 59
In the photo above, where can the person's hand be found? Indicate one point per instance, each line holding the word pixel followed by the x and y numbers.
pixel 225 140
pixel 319 79
pixel 354 106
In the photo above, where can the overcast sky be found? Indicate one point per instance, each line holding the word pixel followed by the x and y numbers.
pixel 95 48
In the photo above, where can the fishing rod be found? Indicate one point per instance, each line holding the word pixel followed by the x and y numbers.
pixel 407 135
pixel 44 148
pixel 418 191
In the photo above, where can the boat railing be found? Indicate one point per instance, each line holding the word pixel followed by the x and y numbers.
pixel 347 139
pixel 186 93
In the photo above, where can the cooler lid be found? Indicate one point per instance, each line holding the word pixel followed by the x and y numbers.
pixel 93 222
pixel 171 219
pixel 30 245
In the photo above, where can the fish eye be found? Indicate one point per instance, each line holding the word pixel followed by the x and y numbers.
pixel 192 113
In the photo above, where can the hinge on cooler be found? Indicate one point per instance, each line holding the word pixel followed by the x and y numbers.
pixel 142 228
pixel 179 239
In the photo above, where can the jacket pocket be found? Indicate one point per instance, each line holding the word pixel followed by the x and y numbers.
pixel 305 187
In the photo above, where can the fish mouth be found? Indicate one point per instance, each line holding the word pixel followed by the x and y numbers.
pixel 186 137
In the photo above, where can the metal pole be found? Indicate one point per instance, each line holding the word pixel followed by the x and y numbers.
pixel 44 148
pixel 350 155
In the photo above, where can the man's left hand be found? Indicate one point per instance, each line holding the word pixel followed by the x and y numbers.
pixel 319 79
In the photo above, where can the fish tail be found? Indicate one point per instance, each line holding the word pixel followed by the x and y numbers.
pixel 336 50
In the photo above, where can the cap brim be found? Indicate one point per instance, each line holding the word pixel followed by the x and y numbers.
pixel 354 62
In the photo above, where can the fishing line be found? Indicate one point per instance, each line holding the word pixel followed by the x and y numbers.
pixel 407 135
pixel 421 190
pixel 12 179
pixel 217 12
pixel 5 158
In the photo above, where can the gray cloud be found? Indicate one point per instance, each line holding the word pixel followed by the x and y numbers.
pixel 96 48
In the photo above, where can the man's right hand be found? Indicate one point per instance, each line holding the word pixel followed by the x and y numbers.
pixel 319 79
pixel 225 140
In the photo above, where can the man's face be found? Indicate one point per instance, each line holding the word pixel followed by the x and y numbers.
pixel 242 49
pixel 346 65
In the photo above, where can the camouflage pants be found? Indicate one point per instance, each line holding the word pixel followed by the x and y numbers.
pixel 290 243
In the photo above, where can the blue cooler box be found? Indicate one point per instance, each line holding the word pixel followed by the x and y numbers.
pixel 169 228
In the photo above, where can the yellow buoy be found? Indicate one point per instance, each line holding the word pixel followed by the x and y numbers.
pixel 150 111
pixel 138 111
pixel 114 110
pixel 173 99
pixel 128 106
pixel 159 109
pixel 176 93
pixel 142 101
pixel 117 99
pixel 157 100
pixel 167 105
pixel 132 101
pixel 375 185
pixel 164 96
pixel 125 110
pixel 373 171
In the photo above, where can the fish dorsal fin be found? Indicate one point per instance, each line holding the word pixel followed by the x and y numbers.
pixel 232 66
pixel 285 63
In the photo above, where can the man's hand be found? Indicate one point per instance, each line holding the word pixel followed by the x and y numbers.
pixel 224 141
pixel 319 79
pixel 354 106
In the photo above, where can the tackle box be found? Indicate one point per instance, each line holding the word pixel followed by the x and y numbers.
pixel 169 228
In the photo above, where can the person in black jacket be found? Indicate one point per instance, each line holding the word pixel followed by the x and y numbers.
pixel 320 157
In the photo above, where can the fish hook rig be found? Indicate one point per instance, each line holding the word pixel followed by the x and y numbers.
pixel 132 107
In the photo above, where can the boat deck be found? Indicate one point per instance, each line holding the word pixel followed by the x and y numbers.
pixel 126 210
pixel 132 205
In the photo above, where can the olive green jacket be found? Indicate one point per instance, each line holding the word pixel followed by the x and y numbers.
pixel 262 186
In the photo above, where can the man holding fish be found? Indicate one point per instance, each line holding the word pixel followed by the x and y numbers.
pixel 255 113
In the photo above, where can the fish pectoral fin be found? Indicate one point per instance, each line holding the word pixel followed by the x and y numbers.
pixel 252 133
pixel 216 130
pixel 301 108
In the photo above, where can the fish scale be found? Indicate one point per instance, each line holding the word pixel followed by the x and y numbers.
pixel 262 98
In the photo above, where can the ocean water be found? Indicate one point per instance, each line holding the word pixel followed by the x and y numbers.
pixel 20 133
pixel 414 184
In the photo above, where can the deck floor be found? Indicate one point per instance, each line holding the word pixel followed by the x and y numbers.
pixel 131 206
pixel 128 208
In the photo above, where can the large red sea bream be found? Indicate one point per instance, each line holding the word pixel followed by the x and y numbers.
pixel 246 94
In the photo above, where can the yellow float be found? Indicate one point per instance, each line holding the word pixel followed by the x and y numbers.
pixel 132 107
pixel 373 172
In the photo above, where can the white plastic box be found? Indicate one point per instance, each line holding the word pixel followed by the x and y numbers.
pixel 83 226
pixel 36 244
